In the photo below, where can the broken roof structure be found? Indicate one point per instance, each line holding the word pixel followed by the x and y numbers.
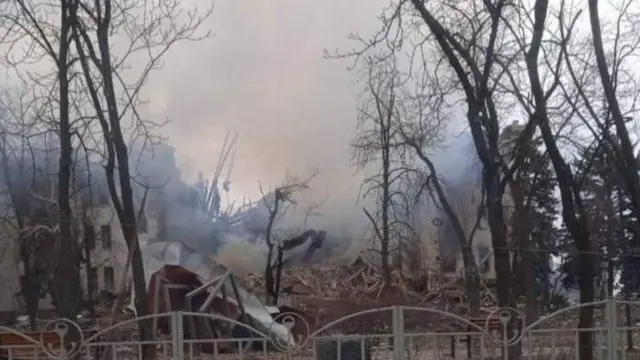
pixel 180 269
pixel 181 278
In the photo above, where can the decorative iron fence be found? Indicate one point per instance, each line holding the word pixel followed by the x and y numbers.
pixel 394 333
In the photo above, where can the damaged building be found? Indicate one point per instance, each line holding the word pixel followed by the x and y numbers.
pixel 461 176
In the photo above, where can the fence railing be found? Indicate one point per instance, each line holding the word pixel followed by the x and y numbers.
pixel 396 332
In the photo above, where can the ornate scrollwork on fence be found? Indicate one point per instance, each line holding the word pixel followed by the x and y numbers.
pixel 298 329
pixel 423 332
pixel 506 315
pixel 68 345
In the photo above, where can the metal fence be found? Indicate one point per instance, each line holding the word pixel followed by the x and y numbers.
pixel 396 332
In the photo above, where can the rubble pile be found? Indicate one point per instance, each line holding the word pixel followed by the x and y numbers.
pixel 332 292
pixel 355 280
pixel 329 294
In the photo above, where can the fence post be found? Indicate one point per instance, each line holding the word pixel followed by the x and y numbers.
pixel 611 319
pixel 398 333
pixel 176 335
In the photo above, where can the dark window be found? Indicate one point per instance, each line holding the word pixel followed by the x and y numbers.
pixel 109 282
pixel 92 279
pixel 90 243
pixel 449 263
pixel 105 231
pixel 89 237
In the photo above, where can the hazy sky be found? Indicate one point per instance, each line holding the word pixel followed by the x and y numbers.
pixel 263 76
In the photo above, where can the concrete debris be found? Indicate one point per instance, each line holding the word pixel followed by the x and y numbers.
pixel 355 281
pixel 364 284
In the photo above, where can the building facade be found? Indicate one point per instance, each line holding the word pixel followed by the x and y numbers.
pixel 105 265
pixel 464 191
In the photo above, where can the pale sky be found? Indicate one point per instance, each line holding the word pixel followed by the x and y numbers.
pixel 263 76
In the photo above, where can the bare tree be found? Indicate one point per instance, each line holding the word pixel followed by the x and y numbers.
pixel 625 152
pixel 474 70
pixel 81 42
pixel 420 120
pixel 114 98
pixel 509 61
pixel 375 149
pixel 277 204
pixel 566 60
pixel 467 41
pixel 439 195
pixel 527 51
pixel 608 120
pixel 458 43
pixel 476 42
pixel 531 223
pixel 15 166
pixel 550 66
pixel 28 177
pixel 32 22
pixel 87 206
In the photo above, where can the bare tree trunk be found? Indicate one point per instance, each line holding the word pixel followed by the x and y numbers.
pixel 125 287
pixel 385 141
pixel 471 271
pixel 611 237
pixel 116 151
pixel 483 121
pixel 127 215
pixel 89 241
pixel 30 283
pixel 497 225
pixel 523 239
pixel 627 159
pixel 276 247
pixel 269 280
pixel 586 270
pixel 572 209
pixel 65 287
pixel 627 293
pixel 629 323
pixel 278 277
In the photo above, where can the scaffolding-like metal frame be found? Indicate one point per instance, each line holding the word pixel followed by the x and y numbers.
pixel 162 284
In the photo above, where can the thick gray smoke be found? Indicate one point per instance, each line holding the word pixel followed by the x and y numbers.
pixel 236 241
pixel 457 162
pixel 241 246
pixel 460 171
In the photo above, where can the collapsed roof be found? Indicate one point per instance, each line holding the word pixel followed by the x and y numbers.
pixel 158 255
pixel 191 226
